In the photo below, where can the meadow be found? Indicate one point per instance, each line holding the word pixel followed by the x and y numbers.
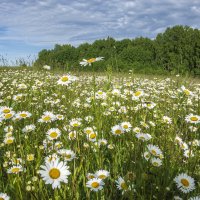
pixel 98 136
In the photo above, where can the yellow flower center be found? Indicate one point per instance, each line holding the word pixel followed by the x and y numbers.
pixel 7 116
pixel 53 135
pixel 185 182
pixel 9 141
pixel 30 157
pixel 194 119
pixel 118 132
pixel 54 173
pixel 23 115
pixel 6 110
pixel 187 92
pixel 64 79
pixel 155 164
pixel 93 135
pixel 124 186
pixel 68 156
pixel 138 93
pixel 153 152
pixel 102 176
pixel 125 126
pixel 91 60
pixel 71 135
pixel 142 138
pixel 91 176
pixel 88 131
pixel 15 170
pixel 95 184
pixel 75 124
pixel 1 198
pixel 46 118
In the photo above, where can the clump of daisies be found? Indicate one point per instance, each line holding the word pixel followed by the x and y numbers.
pixel 96 181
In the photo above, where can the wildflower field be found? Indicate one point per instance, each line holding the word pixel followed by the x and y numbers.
pixel 98 137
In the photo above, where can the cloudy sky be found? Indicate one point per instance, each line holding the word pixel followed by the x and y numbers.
pixel 28 26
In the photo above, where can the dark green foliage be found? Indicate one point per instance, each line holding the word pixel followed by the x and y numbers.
pixel 177 50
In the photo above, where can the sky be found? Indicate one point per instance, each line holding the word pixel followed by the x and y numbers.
pixel 28 26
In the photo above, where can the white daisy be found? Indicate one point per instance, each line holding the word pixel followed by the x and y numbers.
pixel 185 183
pixel 126 126
pixel 95 184
pixel 53 133
pixel 68 155
pixel 90 61
pixel 117 130
pixel 194 119
pixel 54 173
pixel 154 150
pixel 121 184
pixel 143 136
pixel 156 162
pixel 102 174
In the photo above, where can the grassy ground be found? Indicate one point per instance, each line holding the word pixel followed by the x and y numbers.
pixel 142 131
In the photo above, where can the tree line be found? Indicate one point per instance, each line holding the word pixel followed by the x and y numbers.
pixel 176 50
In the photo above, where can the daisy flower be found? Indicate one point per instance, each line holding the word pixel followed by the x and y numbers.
pixel 126 126
pixel 68 155
pixel 28 128
pixel 4 196
pixel 75 122
pixel 91 176
pixel 51 158
pixel 88 130
pixel 9 140
pixel 8 129
pixel 66 79
pixel 15 169
pixel 137 94
pixel 136 130
pixel 185 183
pixel 102 142
pixel 154 150
pixel 92 136
pixel 8 115
pixel 23 115
pixel 147 155
pixel 121 184
pixel 5 109
pixel 156 162
pixel 90 61
pixel 102 174
pixel 95 184
pixel 194 119
pixel 47 117
pixel 54 173
pixel 143 136
pixel 53 133
pixel 117 130
pixel 167 120
pixel 186 91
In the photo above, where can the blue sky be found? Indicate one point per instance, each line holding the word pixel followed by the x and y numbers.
pixel 26 27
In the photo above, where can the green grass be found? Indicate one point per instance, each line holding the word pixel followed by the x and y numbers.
pixel 92 95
